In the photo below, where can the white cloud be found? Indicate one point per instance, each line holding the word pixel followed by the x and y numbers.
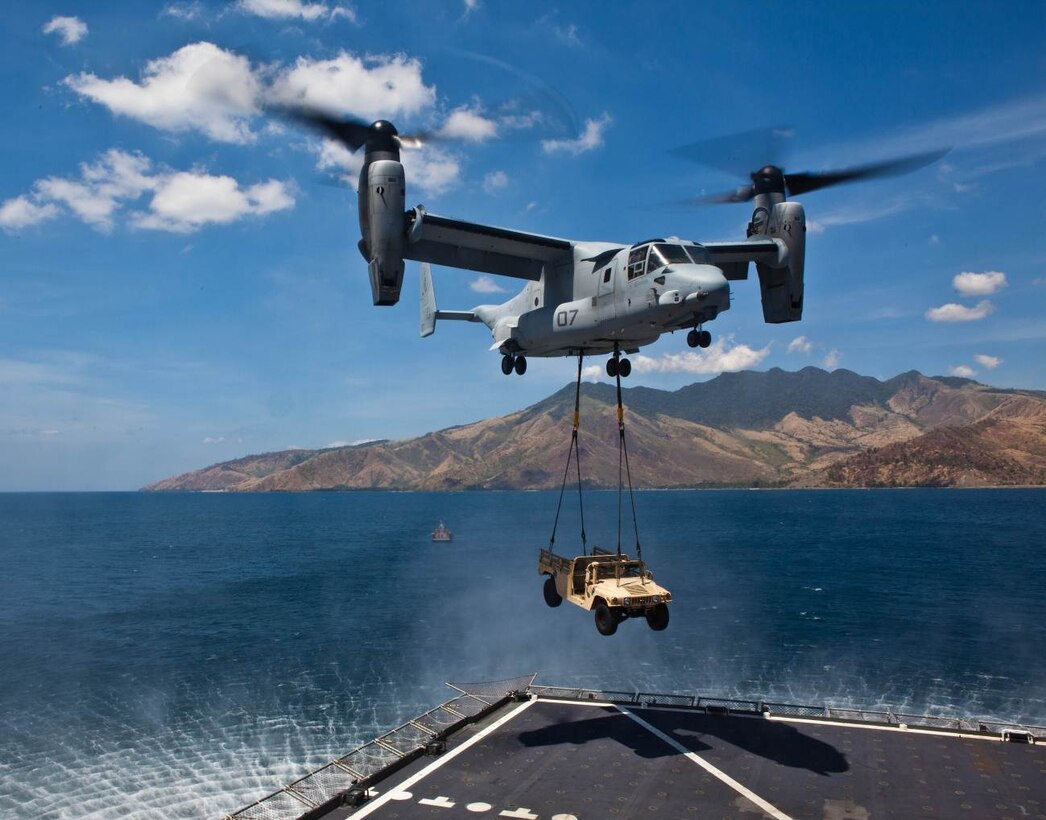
pixel 801 344
pixel 590 139
pixel 471 6
pixel 96 195
pixel 21 212
pixel 353 443
pixel 485 284
pixel 715 359
pixel 979 284
pixel 427 168
pixel 469 125
pixel 377 86
pixel 960 313
pixel 495 181
pixel 181 201
pixel 184 11
pixel 295 9
pixel 1005 122
pixel 856 214
pixel 935 240
pixel 962 371
pixel 213 439
pixel 70 29
pixel 832 359
pixel 431 169
pixel 592 372
pixel 199 87
pixel 186 201
pixel 987 362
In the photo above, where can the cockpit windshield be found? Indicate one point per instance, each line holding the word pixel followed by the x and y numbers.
pixel 661 255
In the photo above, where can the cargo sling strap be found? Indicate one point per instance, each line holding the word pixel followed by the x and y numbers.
pixel 623 470
pixel 622 459
pixel 577 460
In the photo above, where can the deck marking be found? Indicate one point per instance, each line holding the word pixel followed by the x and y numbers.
pixel 478 807
pixel 378 802
pixel 910 728
pixel 708 767
pixel 520 813
pixel 441 801
pixel 398 795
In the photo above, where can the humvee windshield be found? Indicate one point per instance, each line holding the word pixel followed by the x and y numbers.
pixel 630 569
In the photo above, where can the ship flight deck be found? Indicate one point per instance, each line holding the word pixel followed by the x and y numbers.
pixel 544 753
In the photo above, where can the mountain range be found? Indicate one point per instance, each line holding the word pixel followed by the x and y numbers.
pixel 810 428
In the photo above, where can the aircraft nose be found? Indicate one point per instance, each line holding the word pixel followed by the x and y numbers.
pixel 701 281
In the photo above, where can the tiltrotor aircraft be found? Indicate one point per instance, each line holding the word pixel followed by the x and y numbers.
pixel 588 298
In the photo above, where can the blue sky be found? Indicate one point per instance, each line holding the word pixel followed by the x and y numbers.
pixel 178 288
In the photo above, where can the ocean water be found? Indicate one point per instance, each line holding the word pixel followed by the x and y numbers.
pixel 182 655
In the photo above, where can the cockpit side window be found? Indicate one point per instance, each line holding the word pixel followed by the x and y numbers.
pixel 637 262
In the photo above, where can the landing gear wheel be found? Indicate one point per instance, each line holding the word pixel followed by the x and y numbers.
pixel 606 621
pixel 506 364
pixel 704 338
pixel 657 618
pixel 612 367
pixel 521 365
pixel 552 596
pixel 624 367
pixel 691 338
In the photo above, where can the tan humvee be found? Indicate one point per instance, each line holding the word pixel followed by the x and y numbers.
pixel 613 586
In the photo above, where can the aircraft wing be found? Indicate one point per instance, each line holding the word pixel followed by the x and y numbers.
pixel 457 244
pixel 733 257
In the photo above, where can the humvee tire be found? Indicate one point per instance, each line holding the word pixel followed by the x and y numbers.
pixel 606 620
pixel 552 596
pixel 657 617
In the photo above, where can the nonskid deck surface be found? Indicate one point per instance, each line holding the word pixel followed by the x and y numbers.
pixel 566 760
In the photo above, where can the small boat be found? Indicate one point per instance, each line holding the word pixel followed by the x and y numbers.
pixel 441 533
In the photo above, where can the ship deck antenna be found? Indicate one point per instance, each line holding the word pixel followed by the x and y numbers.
pixel 622 460
pixel 576 452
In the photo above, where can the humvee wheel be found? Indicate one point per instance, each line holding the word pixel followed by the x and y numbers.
pixel 657 618
pixel 552 596
pixel 606 621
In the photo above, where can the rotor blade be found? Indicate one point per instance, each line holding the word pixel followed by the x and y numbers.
pixel 349 131
pixel 742 194
pixel 737 154
pixel 803 183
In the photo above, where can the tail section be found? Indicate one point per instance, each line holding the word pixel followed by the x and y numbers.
pixel 428 302
pixel 429 312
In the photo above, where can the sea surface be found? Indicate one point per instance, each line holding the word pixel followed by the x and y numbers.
pixel 180 656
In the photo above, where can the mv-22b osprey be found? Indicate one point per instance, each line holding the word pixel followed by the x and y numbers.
pixel 583 298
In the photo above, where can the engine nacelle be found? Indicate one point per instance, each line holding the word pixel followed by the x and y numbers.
pixel 782 288
pixel 383 225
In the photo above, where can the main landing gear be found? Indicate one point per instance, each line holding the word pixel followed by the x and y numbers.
pixel 699 338
pixel 616 366
pixel 510 363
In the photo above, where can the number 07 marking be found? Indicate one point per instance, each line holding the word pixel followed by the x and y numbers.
pixel 566 317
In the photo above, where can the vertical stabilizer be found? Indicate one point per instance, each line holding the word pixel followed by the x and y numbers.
pixel 428 302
